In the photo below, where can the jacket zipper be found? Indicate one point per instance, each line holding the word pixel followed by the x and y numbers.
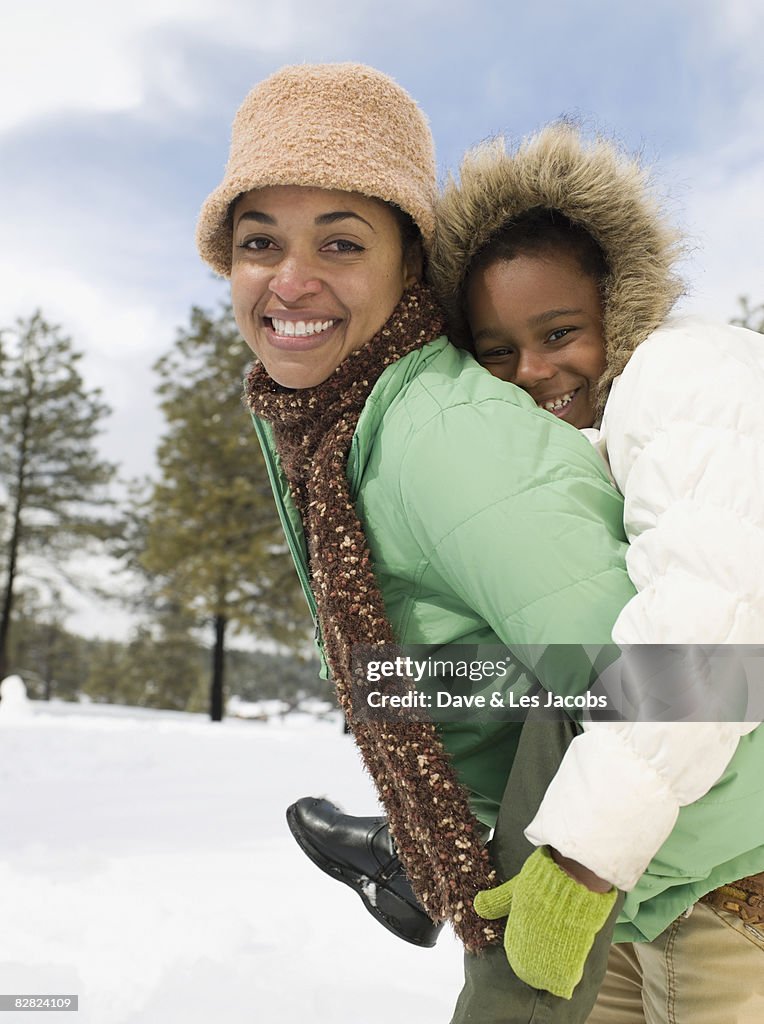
pixel 293 543
pixel 353 466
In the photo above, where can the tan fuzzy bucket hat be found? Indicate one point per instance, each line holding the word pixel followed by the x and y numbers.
pixel 332 126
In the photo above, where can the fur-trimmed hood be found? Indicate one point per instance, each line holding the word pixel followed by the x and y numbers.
pixel 594 184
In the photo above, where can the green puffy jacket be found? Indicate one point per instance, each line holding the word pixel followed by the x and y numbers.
pixel 489 522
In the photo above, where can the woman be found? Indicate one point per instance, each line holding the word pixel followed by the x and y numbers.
pixel 396 511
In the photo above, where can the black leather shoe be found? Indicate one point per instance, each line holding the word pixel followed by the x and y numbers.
pixel 360 853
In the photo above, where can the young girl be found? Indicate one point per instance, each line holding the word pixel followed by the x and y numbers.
pixel 556 271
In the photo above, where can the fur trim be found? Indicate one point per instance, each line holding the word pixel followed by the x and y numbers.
pixel 594 184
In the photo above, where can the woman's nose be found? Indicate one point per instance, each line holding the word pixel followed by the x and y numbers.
pixel 533 367
pixel 293 278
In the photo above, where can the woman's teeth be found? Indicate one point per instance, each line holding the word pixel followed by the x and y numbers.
pixel 555 404
pixel 299 328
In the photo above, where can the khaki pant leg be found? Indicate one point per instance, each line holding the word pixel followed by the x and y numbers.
pixel 620 997
pixel 707 968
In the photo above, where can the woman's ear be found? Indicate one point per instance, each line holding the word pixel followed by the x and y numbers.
pixel 413 263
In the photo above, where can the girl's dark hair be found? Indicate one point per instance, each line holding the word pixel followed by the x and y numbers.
pixel 539 232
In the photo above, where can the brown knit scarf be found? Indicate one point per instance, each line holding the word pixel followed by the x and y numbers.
pixel 437 837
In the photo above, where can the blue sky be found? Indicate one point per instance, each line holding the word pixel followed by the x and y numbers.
pixel 115 122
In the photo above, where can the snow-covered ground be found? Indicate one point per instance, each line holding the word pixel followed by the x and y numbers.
pixel 146 866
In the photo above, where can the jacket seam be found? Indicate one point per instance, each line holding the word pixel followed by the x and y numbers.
pixel 412 601
pixel 551 593
pixel 553 479
pixel 711 504
pixel 442 409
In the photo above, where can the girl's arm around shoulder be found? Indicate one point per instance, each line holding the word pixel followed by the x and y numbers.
pixel 684 429
pixel 617 794
pixel 691 370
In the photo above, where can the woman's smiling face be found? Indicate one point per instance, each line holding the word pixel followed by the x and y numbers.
pixel 315 275
pixel 536 321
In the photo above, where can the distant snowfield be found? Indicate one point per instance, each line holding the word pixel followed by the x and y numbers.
pixel 146 866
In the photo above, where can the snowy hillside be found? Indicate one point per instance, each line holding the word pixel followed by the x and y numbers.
pixel 145 865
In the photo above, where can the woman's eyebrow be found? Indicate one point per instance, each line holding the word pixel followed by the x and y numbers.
pixel 261 218
pixel 332 218
pixel 321 220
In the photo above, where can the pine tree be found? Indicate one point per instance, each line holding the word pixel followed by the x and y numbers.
pixel 213 532
pixel 52 480
pixel 163 662
pixel 41 650
pixel 106 670
pixel 750 316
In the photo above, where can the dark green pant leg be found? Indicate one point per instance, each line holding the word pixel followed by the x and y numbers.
pixel 492 993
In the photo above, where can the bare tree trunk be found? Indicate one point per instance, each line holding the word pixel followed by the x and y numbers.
pixel 49 661
pixel 5 618
pixel 218 669
pixel 13 552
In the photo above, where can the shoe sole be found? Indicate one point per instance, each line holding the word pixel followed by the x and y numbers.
pixel 355 880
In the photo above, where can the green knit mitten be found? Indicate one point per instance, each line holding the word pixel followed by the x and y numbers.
pixel 552 924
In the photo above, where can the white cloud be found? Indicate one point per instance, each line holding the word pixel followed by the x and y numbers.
pixel 725 40
pixel 120 340
pixel 95 55
pixel 54 56
pixel 724 216
pixel 721 177
pixel 737 21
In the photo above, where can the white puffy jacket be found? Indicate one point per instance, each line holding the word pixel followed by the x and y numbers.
pixel 683 430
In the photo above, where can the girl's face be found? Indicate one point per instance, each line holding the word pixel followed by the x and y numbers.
pixel 315 274
pixel 536 321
